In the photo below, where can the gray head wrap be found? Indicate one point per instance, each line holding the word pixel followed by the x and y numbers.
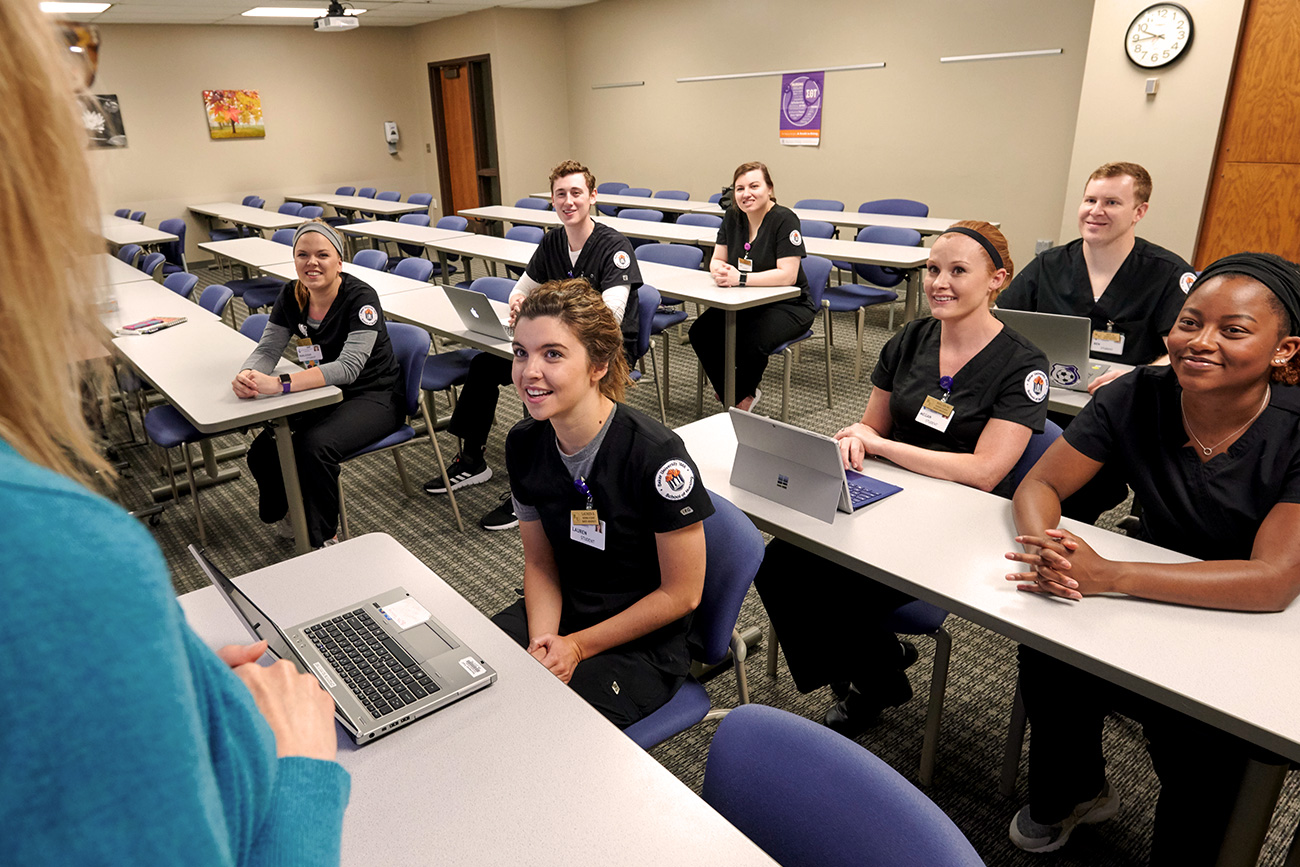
pixel 320 228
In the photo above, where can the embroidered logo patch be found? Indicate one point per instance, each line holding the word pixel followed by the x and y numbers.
pixel 1064 374
pixel 1036 386
pixel 674 480
pixel 368 315
pixel 795 237
pixel 1185 282
pixel 622 259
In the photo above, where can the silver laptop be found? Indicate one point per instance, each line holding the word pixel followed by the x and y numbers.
pixel 385 660
pixel 798 468
pixel 1065 340
pixel 478 314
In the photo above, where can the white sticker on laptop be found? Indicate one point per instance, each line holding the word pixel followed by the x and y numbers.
pixel 405 613
pixel 471 665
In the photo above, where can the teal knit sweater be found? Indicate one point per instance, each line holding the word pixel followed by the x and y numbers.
pixel 123 739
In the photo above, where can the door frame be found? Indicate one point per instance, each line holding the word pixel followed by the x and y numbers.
pixel 481 127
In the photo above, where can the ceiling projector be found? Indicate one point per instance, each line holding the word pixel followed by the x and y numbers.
pixel 335 20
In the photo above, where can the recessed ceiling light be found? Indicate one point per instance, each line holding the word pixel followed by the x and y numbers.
pixel 292 12
pixel 74 8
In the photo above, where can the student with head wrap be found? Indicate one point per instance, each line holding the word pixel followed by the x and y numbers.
pixel 1211 445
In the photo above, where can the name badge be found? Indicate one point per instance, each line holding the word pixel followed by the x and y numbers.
pixel 585 517
pixel 1107 342
pixel 744 264
pixel 935 414
pixel 309 353
pixel 588 534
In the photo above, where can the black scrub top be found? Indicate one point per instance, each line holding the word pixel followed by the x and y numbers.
pixel 1006 379
pixel 1209 510
pixel 606 261
pixel 778 237
pixel 1141 302
pixel 355 308
pixel 642 482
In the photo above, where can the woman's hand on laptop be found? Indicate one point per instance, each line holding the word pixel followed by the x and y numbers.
pixel 300 713
pixel 855 444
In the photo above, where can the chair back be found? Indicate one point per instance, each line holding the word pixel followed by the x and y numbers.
pixel 1038 444
pixel 496 288
pixel 679 255
pixel 735 551
pixel 453 222
pixel 346 191
pixel 881 275
pixel 642 214
pixel 809 796
pixel 411 346
pixel 130 253
pixel 425 199
pixel 614 188
pixel 647 298
pixel 818 271
pixel 257 202
pixel 175 250
pixel 283 236
pixel 253 325
pixel 421 220
pixel 899 207
pixel 679 195
pixel 181 283
pixel 712 221
pixel 215 298
pixel 820 204
pixel 533 203
pixel 311 212
pixel 151 263
pixel 138 216
pixel 376 259
pixel 366 192
pixel 529 234
pixel 715 198
pixel 290 208
pixel 124 213
pixel 415 268
pixel 389 196
pixel 817 229
pixel 642 192
pixel 248 201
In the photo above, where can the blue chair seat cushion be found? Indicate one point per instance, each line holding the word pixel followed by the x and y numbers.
pixel 446 369
pixel 257 297
pixel 916 618
pixel 784 346
pixel 239 287
pixel 169 268
pixel 665 319
pixel 168 428
pixel 852 296
pixel 688 707
pixel 403 434
pixel 437 269
pixel 224 234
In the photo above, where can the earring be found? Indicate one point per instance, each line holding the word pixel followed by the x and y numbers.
pixel 1278 361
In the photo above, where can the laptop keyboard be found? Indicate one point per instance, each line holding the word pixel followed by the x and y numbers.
pixel 379 672
pixel 861 494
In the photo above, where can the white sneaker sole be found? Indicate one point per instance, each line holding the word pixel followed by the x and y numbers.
pixel 464 482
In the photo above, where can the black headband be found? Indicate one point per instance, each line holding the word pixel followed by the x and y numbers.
pixel 1279 276
pixel 983 242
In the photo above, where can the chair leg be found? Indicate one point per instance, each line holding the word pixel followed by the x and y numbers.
pixel 785 390
pixel 654 366
pixel 667 378
pixel 344 533
pixel 934 715
pixel 442 465
pixel 738 653
pixel 830 393
pixel 401 473
pixel 1015 742
pixel 862 326
pixel 699 393
pixel 771 649
pixel 194 492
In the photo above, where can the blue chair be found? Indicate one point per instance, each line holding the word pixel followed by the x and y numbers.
pixel 712 221
pixel 735 551
pixel 151 264
pixel 614 188
pixel 680 256
pixel 898 207
pixel 817 229
pixel 346 191
pixel 820 204
pixel 124 213
pixel 264 293
pixel 214 299
pixel 366 192
pixel 138 216
pixel 174 250
pixel 342 219
pixel 646 215
pixel 818 272
pixel 533 203
pixel 376 259
pixel 253 326
pixel 527 234
pixel 881 278
pixel 812 798
pixel 647 305
pixel 283 236
pixel 411 346
pixel 678 195
pixel 168 429
pixel 411 250
pixel 226 234
pixel 181 283
pixel 252 202
pixel 311 212
pixel 421 220
pixel 130 253
pixel 290 208
pixel 715 198
pixel 456 224
pixel 386 196
pixel 425 199
pixel 414 269
pixel 640 192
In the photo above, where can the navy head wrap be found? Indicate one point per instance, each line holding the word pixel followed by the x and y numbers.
pixel 1278 275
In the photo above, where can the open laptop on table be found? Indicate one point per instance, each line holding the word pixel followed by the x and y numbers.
pixel 1065 340
pixel 798 468
pixel 384 660
pixel 476 311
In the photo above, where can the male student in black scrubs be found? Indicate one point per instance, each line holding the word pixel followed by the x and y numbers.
pixel 579 247
pixel 1130 288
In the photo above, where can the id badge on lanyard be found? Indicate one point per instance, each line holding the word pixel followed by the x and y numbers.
pixel 309 354
pixel 936 412
pixel 1108 342
pixel 585 525
pixel 744 263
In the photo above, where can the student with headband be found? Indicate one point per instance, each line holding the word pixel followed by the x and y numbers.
pixel 338 331
pixel 956 396
pixel 1211 445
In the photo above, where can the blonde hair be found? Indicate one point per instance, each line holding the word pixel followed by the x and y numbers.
pixel 49 220
pixel 584 312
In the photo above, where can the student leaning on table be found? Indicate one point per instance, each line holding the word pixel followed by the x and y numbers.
pixel 1211 444
pixel 759 244
pixel 610 509
pixel 126 740
pixel 338 330
pixel 957 397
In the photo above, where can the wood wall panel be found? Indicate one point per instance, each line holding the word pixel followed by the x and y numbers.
pixel 1263 123
pixel 458 115
pixel 1255 207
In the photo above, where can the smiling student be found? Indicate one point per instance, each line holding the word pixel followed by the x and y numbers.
pixel 956 396
pixel 1211 445
pixel 610 507
pixel 578 247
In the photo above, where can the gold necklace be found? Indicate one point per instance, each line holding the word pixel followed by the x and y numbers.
pixel 1209 450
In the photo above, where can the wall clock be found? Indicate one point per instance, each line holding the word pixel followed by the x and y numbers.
pixel 1158 35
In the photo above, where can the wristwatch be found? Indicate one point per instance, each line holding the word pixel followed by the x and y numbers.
pixel 743 278
pixel 284 383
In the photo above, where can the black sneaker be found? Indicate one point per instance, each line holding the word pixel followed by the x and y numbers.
pixel 502 517
pixel 462 474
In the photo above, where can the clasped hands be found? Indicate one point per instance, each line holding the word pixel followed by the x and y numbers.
pixel 251 383
pixel 559 653
pixel 1061 564
pixel 724 274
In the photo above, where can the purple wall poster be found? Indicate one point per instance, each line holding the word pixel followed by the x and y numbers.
pixel 801 107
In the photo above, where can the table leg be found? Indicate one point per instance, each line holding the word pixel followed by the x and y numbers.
pixel 442 267
pixel 729 361
pixel 292 490
pixel 913 298
pixel 1260 786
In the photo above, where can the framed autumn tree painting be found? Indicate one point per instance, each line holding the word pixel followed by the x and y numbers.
pixel 234 114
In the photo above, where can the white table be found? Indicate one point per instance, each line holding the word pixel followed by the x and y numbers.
pixel 253 252
pixel 429 309
pixel 511 214
pixel 397 232
pixel 120 231
pixel 370 206
pixel 383 282
pixel 856 220
pixel 114 271
pixel 672 206
pixel 145 299
pixel 245 216
pixel 1222 667
pixel 910 259
pixel 192 366
pixel 487 247
pixel 523 772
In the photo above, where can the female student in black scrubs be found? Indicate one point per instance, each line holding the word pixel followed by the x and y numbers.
pixel 1211 445
pixel 956 396
pixel 339 333
pixel 759 244
pixel 610 507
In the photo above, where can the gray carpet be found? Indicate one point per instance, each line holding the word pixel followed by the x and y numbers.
pixel 486 567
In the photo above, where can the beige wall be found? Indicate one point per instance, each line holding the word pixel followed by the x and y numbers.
pixel 1173 134
pixel 988 140
pixel 318 135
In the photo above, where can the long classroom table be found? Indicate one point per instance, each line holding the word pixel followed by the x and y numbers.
pixel 383 282
pixel 120 231
pixel 243 215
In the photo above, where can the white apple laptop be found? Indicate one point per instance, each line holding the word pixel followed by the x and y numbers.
pixel 1065 340
pixel 478 314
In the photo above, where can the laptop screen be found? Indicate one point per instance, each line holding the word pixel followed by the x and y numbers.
pixel 248 613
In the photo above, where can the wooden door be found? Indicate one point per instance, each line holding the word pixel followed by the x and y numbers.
pixel 458 124
pixel 1254 200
